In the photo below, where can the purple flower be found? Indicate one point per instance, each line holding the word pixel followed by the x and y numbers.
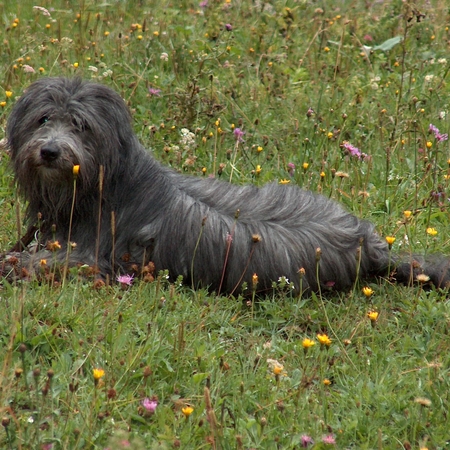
pixel 329 439
pixel 353 151
pixel 149 405
pixel 306 440
pixel 291 168
pixel 228 27
pixel 154 91
pixel 439 136
pixel 203 4
pixel 125 279
pixel 238 133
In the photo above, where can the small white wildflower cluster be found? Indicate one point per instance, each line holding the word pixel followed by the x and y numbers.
pixel 187 141
pixel 95 71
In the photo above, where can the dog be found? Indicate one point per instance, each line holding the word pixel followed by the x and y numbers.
pixel 123 210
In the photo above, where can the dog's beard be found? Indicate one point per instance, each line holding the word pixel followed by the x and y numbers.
pixel 49 179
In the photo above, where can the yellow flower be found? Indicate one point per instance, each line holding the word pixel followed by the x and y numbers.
pixel 307 343
pixel 258 169
pixel 106 33
pixel 2 104
pixel 278 369
pixel 322 174
pixel 432 231
pixel 53 246
pixel 305 165
pixel 407 213
pixel 43 262
pixel 8 94
pixel 204 169
pixel 284 181
pixel 76 170
pixel 373 316
pixel 390 240
pixel 98 373
pixel 429 144
pixel 259 149
pixel 326 382
pixel 367 291
pixel 254 280
pixel 324 339
pixel 139 37
pixel 75 64
pixel 330 135
pixel 156 33
pixel 422 278
pixel 187 411
pixel 326 49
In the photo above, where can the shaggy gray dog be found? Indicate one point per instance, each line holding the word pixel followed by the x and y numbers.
pixel 212 233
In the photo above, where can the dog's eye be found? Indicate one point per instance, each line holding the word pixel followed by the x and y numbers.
pixel 43 119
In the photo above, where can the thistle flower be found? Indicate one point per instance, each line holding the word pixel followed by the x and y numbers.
pixel 306 440
pixel 438 136
pixel 126 280
pixel 329 439
pixel 352 150
pixel 154 92
pixel 149 405
pixel 238 134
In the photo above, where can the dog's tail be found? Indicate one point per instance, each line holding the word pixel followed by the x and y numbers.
pixel 431 269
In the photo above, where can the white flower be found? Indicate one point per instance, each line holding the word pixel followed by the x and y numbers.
pixel 44 11
pixel 28 69
pixel 164 56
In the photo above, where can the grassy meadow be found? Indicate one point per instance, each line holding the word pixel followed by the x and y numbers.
pixel 158 365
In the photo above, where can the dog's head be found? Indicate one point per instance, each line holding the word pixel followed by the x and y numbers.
pixel 59 123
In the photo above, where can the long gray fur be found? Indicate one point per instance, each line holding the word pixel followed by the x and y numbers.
pixel 184 224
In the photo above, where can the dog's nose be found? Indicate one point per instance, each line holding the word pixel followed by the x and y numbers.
pixel 49 153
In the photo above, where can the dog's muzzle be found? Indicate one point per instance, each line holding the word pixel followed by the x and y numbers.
pixel 49 153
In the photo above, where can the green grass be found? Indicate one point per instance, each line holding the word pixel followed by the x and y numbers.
pixel 295 77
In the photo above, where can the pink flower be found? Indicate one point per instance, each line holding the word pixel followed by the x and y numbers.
pixel 439 136
pixel 28 69
pixel 238 133
pixel 125 279
pixel 329 439
pixel 228 27
pixel 154 91
pixel 353 151
pixel 291 168
pixel 306 440
pixel 149 405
